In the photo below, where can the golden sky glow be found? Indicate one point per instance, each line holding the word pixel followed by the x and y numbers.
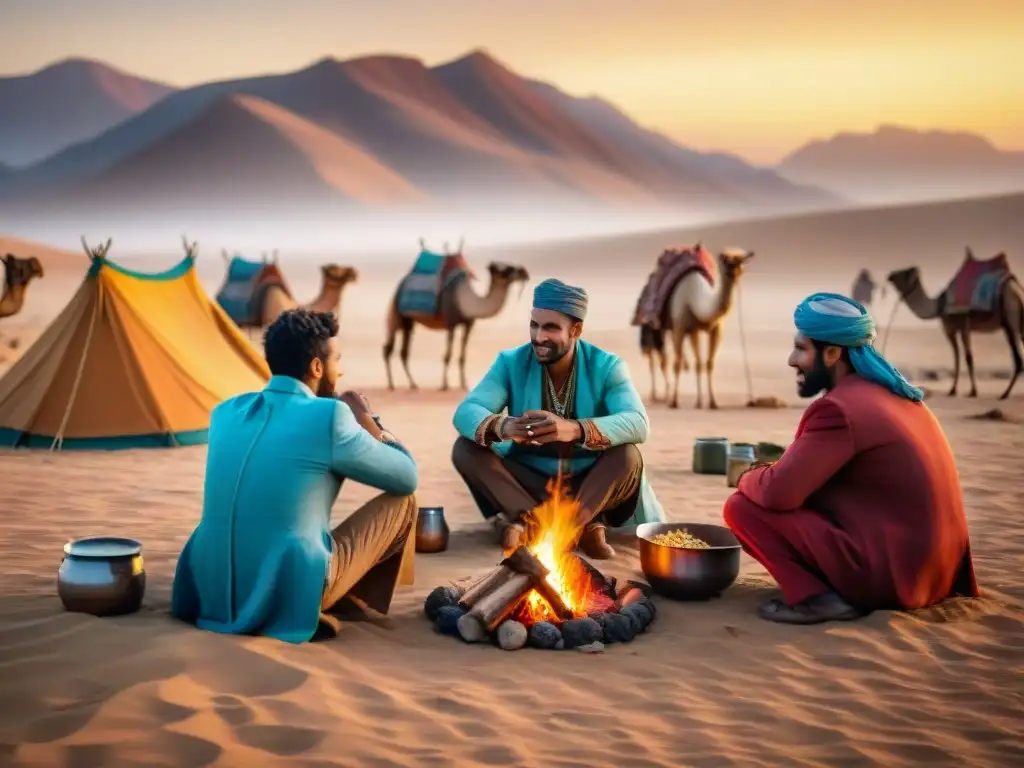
pixel 758 77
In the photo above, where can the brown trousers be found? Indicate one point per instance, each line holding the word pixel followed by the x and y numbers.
pixel 608 490
pixel 372 552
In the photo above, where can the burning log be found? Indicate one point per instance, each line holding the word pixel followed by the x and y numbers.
pixel 525 562
pixel 495 596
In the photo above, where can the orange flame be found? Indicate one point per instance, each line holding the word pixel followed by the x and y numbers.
pixel 552 530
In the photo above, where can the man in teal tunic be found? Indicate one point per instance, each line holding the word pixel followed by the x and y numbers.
pixel 571 410
pixel 263 559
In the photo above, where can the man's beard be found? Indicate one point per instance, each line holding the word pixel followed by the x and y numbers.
pixel 555 353
pixel 819 378
pixel 325 388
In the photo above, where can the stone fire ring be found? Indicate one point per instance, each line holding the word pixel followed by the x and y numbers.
pixel 588 634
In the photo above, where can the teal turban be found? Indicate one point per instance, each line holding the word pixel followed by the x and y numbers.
pixel 832 318
pixel 556 295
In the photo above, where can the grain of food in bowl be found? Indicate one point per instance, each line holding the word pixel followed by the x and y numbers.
pixel 680 539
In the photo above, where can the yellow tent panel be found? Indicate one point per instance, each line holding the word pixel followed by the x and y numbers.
pixel 135 360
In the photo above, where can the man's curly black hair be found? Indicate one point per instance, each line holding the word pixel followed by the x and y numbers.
pixel 296 337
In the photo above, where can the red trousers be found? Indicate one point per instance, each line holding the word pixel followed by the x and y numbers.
pixel 807 554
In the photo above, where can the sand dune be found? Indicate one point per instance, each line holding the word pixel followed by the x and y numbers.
pixel 65 103
pixel 894 164
pixel 832 245
pixel 51 258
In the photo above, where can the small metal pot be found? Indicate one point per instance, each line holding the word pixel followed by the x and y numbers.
pixel 741 456
pixel 710 455
pixel 431 530
pixel 102 575
pixel 689 574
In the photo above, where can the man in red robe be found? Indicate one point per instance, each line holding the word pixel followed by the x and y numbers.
pixel 864 510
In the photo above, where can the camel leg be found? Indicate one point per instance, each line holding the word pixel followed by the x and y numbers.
pixel 1013 338
pixel 965 335
pixel 466 328
pixel 446 360
pixel 714 336
pixel 406 329
pixel 951 336
pixel 389 344
pixel 663 365
pixel 698 367
pixel 678 335
pixel 649 354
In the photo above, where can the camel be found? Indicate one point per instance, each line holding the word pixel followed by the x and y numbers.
pixel 458 305
pixel 18 273
pixel 276 298
pixel 864 289
pixel 696 306
pixel 1007 315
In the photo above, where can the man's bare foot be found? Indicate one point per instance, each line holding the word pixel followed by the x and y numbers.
pixel 594 544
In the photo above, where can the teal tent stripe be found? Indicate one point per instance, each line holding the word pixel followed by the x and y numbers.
pixel 13 438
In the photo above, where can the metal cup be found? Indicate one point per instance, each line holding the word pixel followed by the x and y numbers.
pixel 431 530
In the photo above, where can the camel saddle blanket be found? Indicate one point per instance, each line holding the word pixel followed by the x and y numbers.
pixel 420 291
pixel 672 266
pixel 245 287
pixel 977 284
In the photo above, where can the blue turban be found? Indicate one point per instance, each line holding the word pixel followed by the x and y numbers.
pixel 556 295
pixel 832 318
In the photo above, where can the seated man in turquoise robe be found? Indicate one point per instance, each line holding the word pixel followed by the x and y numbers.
pixel 263 559
pixel 571 410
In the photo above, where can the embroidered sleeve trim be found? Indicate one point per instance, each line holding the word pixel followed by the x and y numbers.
pixel 593 438
pixel 487 433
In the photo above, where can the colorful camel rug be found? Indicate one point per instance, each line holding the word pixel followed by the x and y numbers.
pixel 977 284
pixel 245 285
pixel 420 290
pixel 672 266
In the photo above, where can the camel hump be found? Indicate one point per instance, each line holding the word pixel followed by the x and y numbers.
pixel 672 266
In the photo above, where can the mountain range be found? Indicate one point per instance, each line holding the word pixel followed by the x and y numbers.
pixel 894 164
pixel 388 133
pixel 371 132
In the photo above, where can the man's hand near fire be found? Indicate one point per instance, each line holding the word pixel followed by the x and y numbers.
pixel 543 427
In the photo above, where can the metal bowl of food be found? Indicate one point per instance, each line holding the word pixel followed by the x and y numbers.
pixel 688 571
pixel 102 575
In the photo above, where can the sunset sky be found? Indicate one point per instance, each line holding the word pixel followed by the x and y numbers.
pixel 757 77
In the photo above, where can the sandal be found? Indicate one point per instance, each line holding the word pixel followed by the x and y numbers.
pixel 509 533
pixel 815 610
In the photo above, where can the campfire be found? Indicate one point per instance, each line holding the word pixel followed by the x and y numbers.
pixel 543 594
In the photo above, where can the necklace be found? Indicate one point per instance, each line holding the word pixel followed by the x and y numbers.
pixel 560 400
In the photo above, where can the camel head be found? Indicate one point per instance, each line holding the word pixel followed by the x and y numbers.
pixel 904 280
pixel 21 271
pixel 335 275
pixel 733 262
pixel 507 273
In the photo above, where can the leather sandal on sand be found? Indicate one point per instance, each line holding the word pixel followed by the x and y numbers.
pixel 594 543
pixel 815 610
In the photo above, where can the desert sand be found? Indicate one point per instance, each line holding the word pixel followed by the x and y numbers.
pixel 708 684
